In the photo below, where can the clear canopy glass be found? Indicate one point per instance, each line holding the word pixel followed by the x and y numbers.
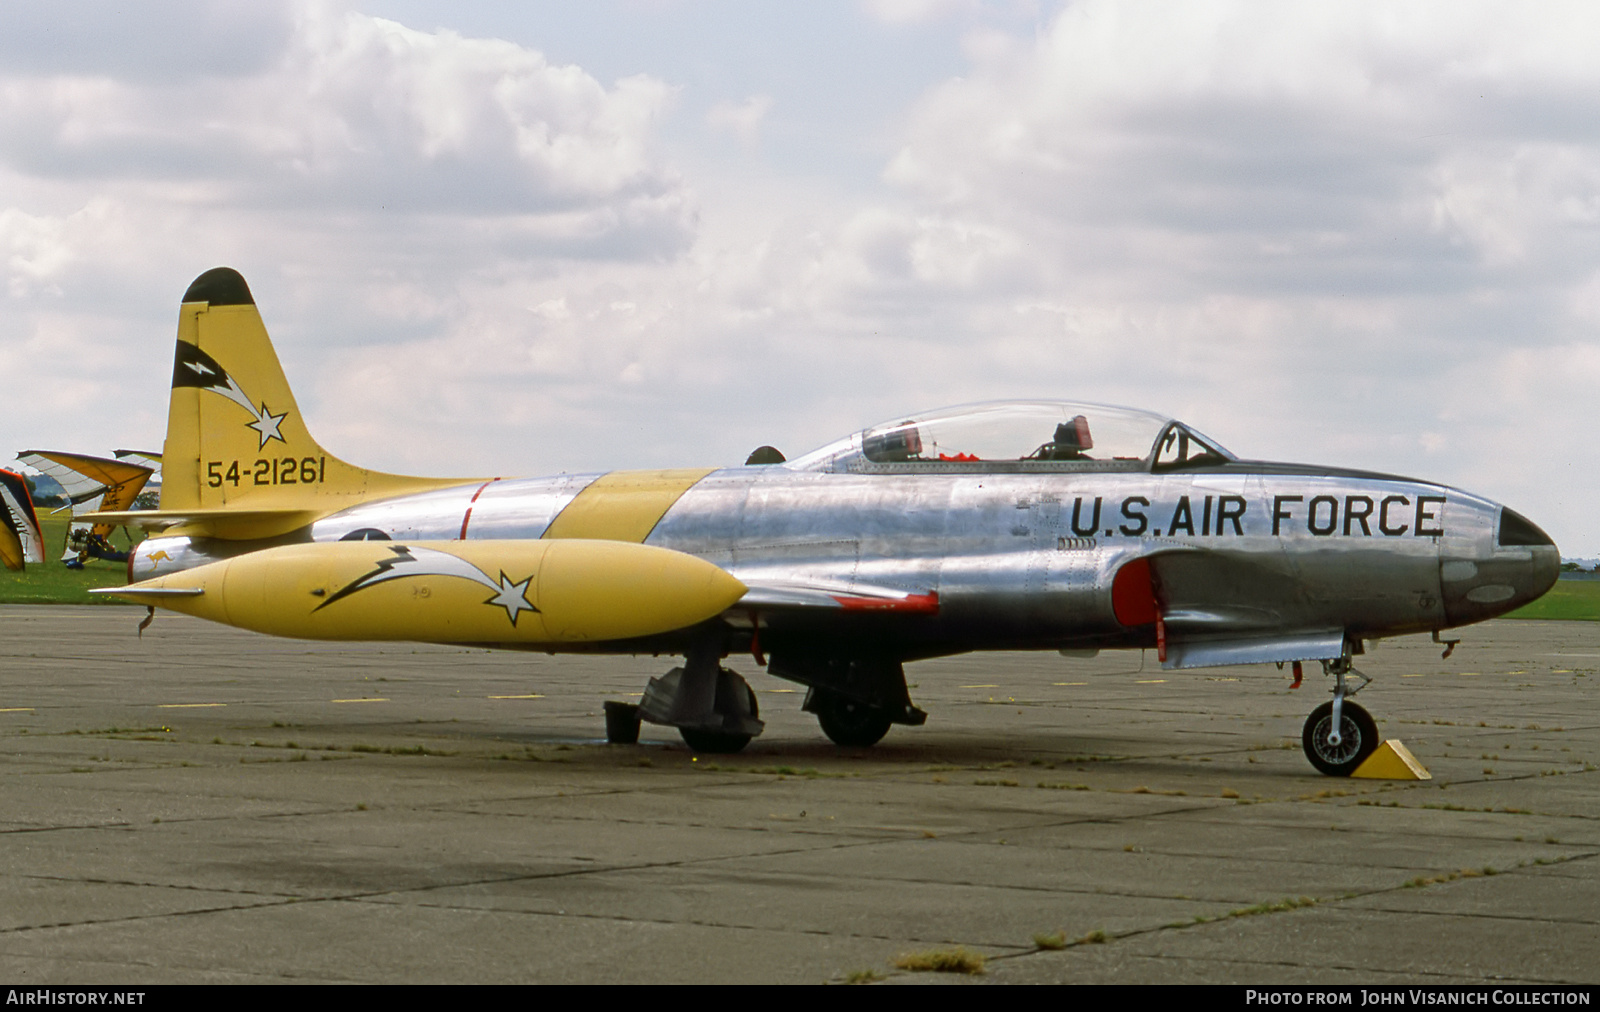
pixel 1019 436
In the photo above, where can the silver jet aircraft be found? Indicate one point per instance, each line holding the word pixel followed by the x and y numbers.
pixel 1037 525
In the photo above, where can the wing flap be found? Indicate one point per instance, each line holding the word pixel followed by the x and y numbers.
pixel 785 594
pixel 1221 651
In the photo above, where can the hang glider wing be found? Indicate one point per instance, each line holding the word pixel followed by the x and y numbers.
pixel 144 458
pixel 92 484
pixel 20 541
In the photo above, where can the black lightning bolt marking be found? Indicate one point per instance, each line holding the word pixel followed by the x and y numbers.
pixel 509 594
pixel 384 571
pixel 192 367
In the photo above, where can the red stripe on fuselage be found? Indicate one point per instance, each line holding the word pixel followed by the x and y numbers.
pixel 467 516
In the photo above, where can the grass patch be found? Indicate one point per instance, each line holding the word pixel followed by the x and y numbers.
pixel 1567 601
pixel 957 960
pixel 1291 903
pixel 787 771
pixel 51 582
pixel 862 977
pixel 1421 881
pixel 392 749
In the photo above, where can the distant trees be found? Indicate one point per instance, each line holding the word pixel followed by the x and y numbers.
pixel 42 498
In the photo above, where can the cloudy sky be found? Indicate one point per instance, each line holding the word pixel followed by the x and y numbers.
pixel 520 238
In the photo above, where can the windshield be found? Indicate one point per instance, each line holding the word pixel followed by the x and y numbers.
pixel 1010 436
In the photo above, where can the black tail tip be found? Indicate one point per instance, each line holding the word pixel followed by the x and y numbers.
pixel 220 286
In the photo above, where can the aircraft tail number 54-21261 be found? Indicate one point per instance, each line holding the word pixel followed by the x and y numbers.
pixel 1028 525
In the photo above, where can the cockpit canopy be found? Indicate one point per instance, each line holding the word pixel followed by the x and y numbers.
pixel 1019 436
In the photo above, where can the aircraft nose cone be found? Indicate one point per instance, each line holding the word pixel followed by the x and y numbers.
pixel 1524 565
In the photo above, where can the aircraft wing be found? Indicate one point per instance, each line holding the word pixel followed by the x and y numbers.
pixel 785 594
pixel 1220 608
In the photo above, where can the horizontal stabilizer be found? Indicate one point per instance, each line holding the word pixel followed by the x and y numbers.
pixel 228 524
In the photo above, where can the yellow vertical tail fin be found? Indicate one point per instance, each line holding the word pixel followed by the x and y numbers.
pixel 235 436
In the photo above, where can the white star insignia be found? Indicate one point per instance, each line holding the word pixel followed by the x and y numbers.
pixel 513 597
pixel 267 424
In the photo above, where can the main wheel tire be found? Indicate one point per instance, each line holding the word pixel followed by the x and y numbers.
pixel 1358 739
pixel 849 723
pixel 721 742
pixel 713 742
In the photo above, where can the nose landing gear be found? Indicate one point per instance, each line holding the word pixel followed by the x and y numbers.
pixel 1340 735
pixel 713 708
pixel 1357 739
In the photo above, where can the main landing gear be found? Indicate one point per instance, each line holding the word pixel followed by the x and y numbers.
pixel 855 699
pixel 1340 735
pixel 714 709
pixel 848 722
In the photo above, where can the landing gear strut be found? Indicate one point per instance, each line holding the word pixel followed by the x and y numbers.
pixel 714 709
pixel 1340 735
pixel 855 698
pixel 724 742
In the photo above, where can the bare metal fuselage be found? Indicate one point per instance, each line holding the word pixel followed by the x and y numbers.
pixel 1246 558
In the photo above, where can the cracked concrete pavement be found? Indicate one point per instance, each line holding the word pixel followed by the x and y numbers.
pixel 206 805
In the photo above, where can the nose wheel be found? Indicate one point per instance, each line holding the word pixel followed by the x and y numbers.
pixel 1338 756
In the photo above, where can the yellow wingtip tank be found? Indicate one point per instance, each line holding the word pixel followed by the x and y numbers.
pixel 513 593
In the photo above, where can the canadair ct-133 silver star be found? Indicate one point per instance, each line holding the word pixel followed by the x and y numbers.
pixel 1037 525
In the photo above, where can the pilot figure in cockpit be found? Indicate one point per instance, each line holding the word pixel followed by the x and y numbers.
pixel 896 446
pixel 1072 438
